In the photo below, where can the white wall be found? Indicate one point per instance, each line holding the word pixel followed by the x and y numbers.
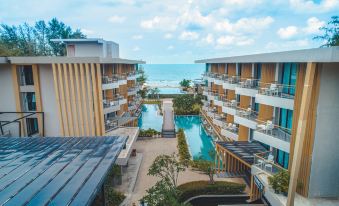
pixel 324 178
pixel 89 50
pixel 7 99
pixel 48 98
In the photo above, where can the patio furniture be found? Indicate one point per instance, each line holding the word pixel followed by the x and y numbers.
pixel 274 90
pixel 269 167
pixel 269 126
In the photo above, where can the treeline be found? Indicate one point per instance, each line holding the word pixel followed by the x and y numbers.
pixel 34 40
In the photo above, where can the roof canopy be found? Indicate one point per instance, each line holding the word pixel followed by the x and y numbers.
pixel 306 55
pixel 55 170
pixel 243 150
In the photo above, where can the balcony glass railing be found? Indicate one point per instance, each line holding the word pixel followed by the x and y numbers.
pixel 230 103
pixel 248 83
pixel 247 113
pixel 111 123
pixel 273 130
pixel 277 90
pixel 231 127
pixel 265 161
pixel 112 79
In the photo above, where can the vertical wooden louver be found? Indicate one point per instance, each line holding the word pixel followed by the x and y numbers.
pixel 79 99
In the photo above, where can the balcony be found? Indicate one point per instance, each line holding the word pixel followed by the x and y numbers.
pixel 112 82
pixel 230 82
pixel 113 105
pixel 230 130
pixel 265 162
pixel 111 124
pixel 132 90
pixel 229 106
pixel 131 75
pixel 247 87
pixel 213 77
pixel 273 135
pixel 246 117
pixel 276 95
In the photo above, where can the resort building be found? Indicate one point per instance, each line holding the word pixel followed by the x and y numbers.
pixel 277 111
pixel 89 92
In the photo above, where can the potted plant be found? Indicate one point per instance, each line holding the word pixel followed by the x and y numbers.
pixel 280 182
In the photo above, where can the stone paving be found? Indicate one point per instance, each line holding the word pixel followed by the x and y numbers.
pixel 150 149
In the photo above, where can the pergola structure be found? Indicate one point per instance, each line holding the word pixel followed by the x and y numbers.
pixel 237 157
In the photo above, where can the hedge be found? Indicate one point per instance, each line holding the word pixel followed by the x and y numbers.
pixel 148 133
pixel 184 154
pixel 192 189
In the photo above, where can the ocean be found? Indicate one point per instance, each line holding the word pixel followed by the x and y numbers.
pixel 167 76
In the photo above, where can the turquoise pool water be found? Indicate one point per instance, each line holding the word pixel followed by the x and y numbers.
pixel 200 144
pixel 150 117
pixel 170 90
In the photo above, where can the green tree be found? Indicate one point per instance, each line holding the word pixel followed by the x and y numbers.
pixel 185 84
pixel 187 104
pixel 206 166
pixel 27 40
pixel 165 191
pixel 331 33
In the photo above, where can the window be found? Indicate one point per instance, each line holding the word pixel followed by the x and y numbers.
pixel 29 101
pixel 32 126
pixel 286 118
pixel 256 107
pixel 289 77
pixel 282 158
pixel 26 75
pixel 258 71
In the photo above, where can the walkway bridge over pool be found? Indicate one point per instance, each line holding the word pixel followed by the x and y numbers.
pixel 168 127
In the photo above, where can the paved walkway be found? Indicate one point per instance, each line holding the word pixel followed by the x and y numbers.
pixel 168 128
pixel 150 150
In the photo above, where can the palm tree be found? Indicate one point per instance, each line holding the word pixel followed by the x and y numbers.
pixel 156 92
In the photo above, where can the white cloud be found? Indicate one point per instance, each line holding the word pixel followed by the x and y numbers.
pixel 159 22
pixel 188 35
pixel 168 36
pixel 117 19
pixel 287 32
pixel 231 40
pixel 244 25
pixel 137 37
pixel 87 31
pixel 287 45
pixel 170 47
pixel 313 25
pixel 136 48
pixel 209 39
pixel 194 17
pixel 308 6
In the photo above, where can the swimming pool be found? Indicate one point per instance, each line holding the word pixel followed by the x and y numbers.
pixel 170 90
pixel 150 117
pixel 199 143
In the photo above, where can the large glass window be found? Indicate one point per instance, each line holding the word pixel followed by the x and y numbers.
pixel 258 71
pixel 29 101
pixel 282 158
pixel 289 77
pixel 286 118
pixel 26 75
pixel 32 126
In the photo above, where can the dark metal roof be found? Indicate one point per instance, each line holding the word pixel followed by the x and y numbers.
pixel 243 150
pixel 55 170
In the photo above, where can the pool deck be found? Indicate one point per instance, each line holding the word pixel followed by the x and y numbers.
pixel 150 149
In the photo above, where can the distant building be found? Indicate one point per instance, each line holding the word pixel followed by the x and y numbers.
pixel 258 99
pixel 89 92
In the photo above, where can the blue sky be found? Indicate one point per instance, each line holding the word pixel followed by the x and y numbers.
pixel 181 31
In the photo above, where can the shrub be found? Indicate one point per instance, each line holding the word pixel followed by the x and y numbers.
pixel 187 104
pixel 113 197
pixel 148 133
pixel 280 182
pixel 184 154
pixel 196 188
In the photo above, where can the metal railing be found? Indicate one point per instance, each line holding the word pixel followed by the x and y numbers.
pixel 273 130
pixel 231 127
pixel 247 113
pixel 249 83
pixel 277 90
pixel 113 78
pixel 110 103
pixel 265 161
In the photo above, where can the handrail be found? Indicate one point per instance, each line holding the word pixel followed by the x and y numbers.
pixel 274 130
pixel 269 166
